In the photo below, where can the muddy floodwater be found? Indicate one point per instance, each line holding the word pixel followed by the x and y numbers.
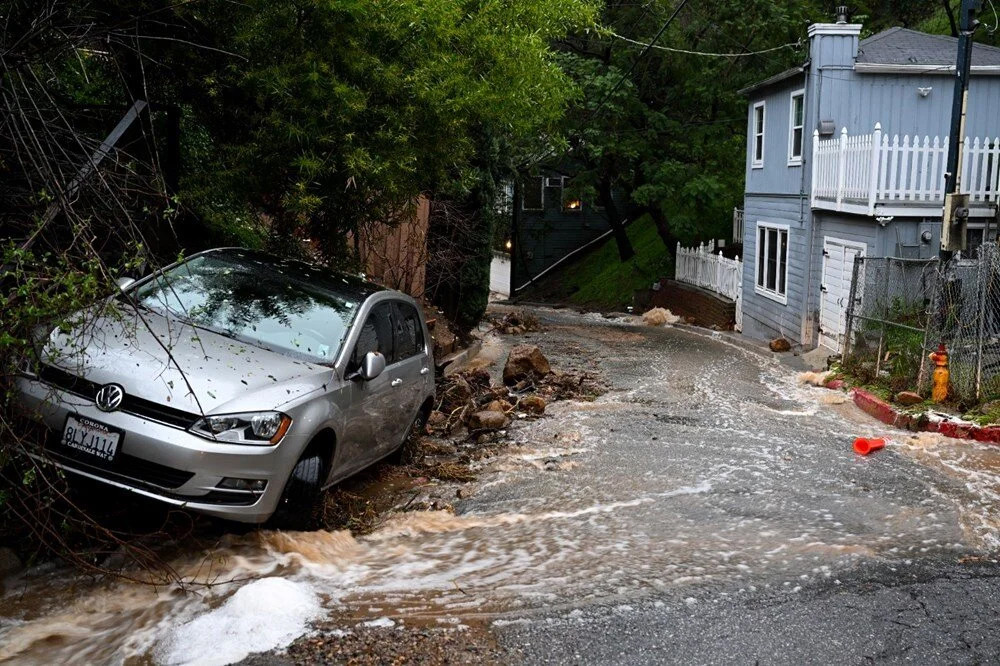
pixel 706 472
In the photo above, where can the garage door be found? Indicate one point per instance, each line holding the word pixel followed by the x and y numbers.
pixel 835 289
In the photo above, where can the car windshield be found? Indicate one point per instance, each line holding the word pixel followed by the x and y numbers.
pixel 280 305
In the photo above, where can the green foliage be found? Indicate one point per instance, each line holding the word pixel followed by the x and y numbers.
pixel 672 135
pixel 340 113
pixel 601 280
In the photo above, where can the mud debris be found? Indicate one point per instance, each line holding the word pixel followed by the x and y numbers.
pixel 517 322
pixel 398 644
pixel 659 317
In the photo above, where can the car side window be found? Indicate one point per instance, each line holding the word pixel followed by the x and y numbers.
pixel 409 331
pixel 375 336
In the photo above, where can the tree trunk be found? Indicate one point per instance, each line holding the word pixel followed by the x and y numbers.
pixel 663 228
pixel 625 249
pixel 951 17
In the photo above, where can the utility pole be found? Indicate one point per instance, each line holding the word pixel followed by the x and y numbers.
pixel 956 206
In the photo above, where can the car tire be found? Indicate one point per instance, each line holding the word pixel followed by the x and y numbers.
pixel 301 504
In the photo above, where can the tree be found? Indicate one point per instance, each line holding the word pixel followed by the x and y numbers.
pixel 667 127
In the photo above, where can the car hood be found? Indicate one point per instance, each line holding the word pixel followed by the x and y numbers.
pixel 172 363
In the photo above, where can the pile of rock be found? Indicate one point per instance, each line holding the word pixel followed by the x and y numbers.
pixel 470 400
pixel 517 323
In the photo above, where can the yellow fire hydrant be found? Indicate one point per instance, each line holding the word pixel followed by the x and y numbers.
pixel 939 380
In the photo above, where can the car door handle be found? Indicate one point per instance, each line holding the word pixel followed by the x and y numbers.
pixel 396 382
pixel 424 371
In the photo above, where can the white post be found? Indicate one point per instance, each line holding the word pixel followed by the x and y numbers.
pixel 718 273
pixel 815 161
pixel 841 167
pixel 873 168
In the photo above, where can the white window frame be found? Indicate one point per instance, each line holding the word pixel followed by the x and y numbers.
pixel 756 131
pixel 759 287
pixel 792 159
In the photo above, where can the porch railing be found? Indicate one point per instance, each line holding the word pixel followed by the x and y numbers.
pixel 861 171
pixel 738 225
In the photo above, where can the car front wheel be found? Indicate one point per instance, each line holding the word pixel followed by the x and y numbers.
pixel 301 504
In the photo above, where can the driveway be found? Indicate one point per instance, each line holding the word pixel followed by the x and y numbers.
pixel 706 509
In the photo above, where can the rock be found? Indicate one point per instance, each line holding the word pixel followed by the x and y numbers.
pixel 498 406
pixel 659 317
pixel 908 398
pixel 780 345
pixel 487 420
pixel 9 562
pixel 525 362
pixel 462 493
pixel 436 419
pixel 533 404
pixel 551 465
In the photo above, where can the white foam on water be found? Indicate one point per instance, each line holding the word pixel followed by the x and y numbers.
pixel 263 615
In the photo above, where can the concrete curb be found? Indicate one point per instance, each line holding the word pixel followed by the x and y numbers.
pixel 886 413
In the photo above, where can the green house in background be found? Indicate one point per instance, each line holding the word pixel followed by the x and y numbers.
pixel 547 226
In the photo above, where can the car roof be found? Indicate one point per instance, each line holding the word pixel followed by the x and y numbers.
pixel 339 282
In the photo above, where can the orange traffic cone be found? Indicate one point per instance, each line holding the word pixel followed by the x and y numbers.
pixel 864 445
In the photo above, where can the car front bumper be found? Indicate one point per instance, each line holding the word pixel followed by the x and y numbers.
pixel 166 462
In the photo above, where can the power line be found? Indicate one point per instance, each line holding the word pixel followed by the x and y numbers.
pixel 647 49
pixel 593 114
pixel 704 53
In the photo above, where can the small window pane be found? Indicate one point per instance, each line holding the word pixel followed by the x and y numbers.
pixel 375 336
pixel 760 257
pixel 797 142
pixel 532 198
pixel 797 114
pixel 783 259
pixel 772 259
pixel 409 332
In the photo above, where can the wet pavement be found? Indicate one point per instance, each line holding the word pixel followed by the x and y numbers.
pixel 707 509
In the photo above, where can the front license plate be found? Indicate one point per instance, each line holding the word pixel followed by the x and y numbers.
pixel 91 437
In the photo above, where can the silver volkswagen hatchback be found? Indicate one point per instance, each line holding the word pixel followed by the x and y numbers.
pixel 234 383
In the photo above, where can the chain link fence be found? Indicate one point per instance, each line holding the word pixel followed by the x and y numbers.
pixel 900 310
pixel 887 319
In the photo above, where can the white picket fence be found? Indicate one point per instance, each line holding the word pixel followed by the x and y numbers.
pixel 700 267
pixel 872 169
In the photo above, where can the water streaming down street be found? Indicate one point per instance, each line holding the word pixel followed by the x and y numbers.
pixel 705 476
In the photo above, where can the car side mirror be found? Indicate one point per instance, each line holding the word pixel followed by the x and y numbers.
pixel 372 366
pixel 124 282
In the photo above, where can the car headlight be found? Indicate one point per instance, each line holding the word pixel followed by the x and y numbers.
pixel 259 428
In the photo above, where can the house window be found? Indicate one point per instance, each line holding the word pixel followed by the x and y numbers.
pixel 505 199
pixel 533 199
pixel 795 126
pixel 772 261
pixel 758 135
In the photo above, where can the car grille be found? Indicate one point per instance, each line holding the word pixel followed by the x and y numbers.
pixel 131 404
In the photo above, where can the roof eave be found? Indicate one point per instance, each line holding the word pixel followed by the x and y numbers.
pixel 777 78
pixel 879 68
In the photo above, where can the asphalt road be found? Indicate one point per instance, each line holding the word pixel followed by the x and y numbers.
pixel 707 509
pixel 744 529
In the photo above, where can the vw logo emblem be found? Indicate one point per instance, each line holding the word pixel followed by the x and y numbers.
pixel 109 397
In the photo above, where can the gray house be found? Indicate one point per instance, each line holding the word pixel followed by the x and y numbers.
pixel 845 156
